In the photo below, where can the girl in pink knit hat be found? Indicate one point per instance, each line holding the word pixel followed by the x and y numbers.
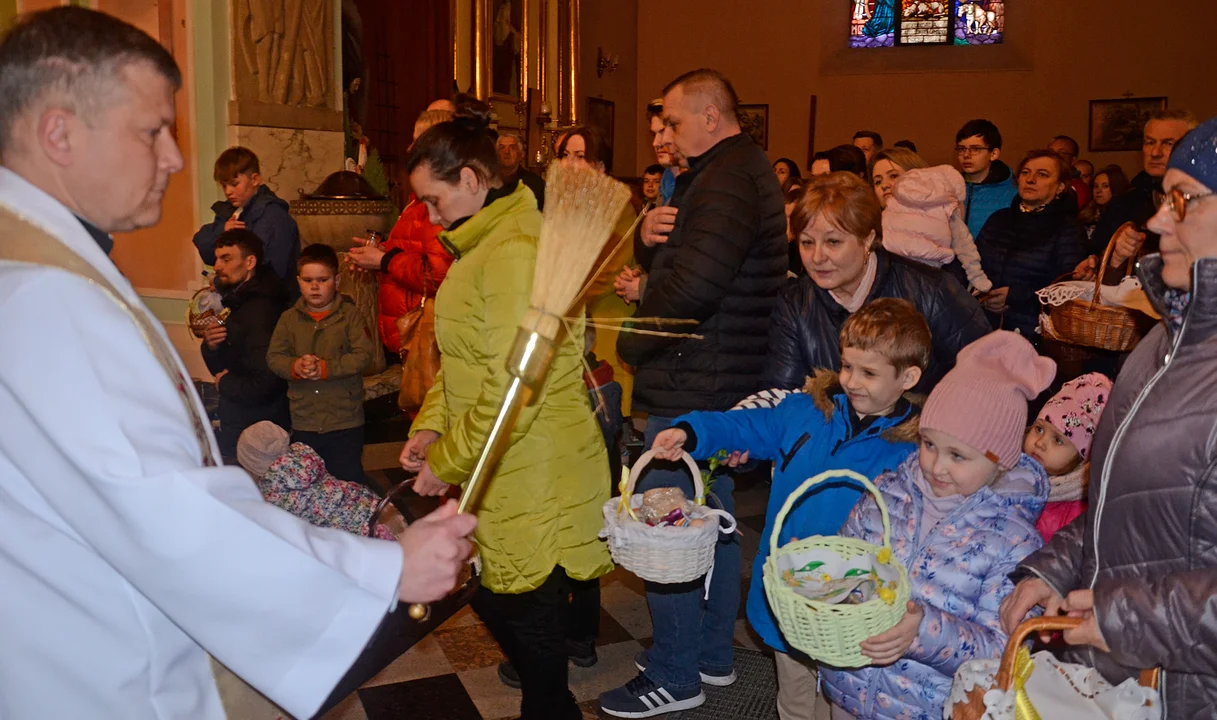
pixel 1060 441
pixel 963 511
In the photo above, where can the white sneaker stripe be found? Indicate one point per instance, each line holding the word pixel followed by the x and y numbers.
pixel 667 695
pixel 647 701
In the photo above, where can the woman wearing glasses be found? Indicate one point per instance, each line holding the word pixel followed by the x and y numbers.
pixel 1141 566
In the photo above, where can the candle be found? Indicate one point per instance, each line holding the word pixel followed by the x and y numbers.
pixel 544 108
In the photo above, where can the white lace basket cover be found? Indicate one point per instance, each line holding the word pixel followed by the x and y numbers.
pixel 1057 690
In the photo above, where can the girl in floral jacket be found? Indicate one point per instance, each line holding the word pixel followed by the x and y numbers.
pixel 963 511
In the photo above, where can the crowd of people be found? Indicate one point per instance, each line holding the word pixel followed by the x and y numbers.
pixel 869 313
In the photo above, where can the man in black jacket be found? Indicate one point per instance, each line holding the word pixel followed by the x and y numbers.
pixel 716 256
pixel 235 352
pixel 1139 204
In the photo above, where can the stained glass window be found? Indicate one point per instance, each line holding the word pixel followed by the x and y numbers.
pixel 886 23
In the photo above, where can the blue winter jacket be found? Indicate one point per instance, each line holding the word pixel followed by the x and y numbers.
pixel 959 570
pixel 267 216
pixel 806 434
pixel 986 197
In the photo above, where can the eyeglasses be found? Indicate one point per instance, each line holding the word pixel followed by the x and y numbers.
pixel 962 150
pixel 1179 201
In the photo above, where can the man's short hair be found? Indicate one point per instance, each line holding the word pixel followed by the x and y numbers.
pixel 713 85
pixel 874 136
pixel 845 158
pixel 893 328
pixel 986 130
pixel 247 241
pixel 77 55
pixel 318 254
pixel 906 144
pixel 1071 142
pixel 655 169
pixel 1184 116
pixel 654 109
pixel 510 135
pixel 235 161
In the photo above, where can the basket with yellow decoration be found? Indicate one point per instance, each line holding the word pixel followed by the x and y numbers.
pixel 660 535
pixel 830 593
pixel 1023 686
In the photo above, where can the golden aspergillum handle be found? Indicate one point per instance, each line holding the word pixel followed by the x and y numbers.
pixel 529 362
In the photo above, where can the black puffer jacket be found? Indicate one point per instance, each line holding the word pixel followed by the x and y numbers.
pixel 1147 546
pixel 250 392
pixel 803 334
pixel 1027 251
pixel 722 265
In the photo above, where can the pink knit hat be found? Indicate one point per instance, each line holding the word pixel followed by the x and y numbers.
pixel 1076 409
pixel 983 401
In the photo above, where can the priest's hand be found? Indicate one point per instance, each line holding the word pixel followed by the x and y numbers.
pixel 434 551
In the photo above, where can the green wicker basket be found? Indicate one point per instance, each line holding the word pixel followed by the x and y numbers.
pixel 827 632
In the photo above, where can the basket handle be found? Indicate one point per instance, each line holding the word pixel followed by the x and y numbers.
pixel 645 459
pixel 1148 678
pixel 822 477
pixel 1101 270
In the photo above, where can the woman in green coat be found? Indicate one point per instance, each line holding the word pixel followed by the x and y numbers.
pixel 539 515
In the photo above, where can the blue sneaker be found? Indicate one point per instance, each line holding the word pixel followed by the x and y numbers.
pixel 640 662
pixel 642 698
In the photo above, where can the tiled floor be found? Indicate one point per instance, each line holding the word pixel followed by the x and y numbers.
pixel 452 673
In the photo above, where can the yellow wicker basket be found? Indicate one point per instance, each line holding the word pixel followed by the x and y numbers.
pixel 826 632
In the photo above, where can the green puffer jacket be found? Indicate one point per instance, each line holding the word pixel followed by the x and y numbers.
pixel 542 507
pixel 343 342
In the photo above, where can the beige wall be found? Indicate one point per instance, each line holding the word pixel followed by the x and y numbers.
pixel 1059 55
pixel 612 25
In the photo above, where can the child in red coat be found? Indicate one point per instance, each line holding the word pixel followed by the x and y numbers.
pixel 1060 441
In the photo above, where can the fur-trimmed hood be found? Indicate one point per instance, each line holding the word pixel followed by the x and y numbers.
pixel 824 385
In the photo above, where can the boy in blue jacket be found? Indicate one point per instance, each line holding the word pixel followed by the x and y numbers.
pixel 251 205
pixel 858 420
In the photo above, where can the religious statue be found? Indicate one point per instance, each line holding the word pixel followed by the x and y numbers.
pixel 286 50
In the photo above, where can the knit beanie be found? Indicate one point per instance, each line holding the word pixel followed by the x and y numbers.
pixel 1076 409
pixel 983 400
pixel 260 445
pixel 1196 154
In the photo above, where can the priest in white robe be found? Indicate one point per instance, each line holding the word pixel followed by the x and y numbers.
pixel 127 554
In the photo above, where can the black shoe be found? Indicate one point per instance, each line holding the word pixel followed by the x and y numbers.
pixel 508 675
pixel 582 652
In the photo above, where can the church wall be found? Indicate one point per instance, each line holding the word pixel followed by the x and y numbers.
pixel 1057 57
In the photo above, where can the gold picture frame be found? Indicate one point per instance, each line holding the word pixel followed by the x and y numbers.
pixel 505 49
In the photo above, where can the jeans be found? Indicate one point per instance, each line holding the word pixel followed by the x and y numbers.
pixel 692 633
pixel 342 451
pixel 532 628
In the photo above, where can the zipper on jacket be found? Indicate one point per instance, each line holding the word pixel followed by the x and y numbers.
pixel 1105 478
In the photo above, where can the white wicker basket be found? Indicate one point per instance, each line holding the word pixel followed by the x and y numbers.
pixel 663 554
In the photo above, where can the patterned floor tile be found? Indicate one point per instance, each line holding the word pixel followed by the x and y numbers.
pixel 425 659
pixel 349 709
pixel 469 647
pixel 610 630
pixel 436 698
pixel 616 668
pixel 492 698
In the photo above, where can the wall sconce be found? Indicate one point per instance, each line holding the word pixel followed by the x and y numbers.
pixel 606 63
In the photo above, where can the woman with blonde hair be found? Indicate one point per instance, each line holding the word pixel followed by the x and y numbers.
pixel 923 214
pixel 837 224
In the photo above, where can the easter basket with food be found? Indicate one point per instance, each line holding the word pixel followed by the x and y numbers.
pixel 205 309
pixel 661 535
pixel 830 593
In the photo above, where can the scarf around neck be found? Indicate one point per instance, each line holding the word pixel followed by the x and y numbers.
pixel 854 302
pixel 1068 487
pixel 934 508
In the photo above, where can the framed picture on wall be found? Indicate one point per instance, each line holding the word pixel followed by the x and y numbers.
pixel 1117 124
pixel 754 121
pixel 600 115
pixel 507 47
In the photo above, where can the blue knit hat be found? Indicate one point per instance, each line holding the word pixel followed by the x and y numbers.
pixel 1196 154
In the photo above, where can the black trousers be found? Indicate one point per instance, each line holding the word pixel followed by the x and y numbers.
pixel 533 628
pixel 342 451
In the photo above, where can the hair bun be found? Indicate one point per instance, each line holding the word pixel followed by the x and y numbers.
pixel 472 114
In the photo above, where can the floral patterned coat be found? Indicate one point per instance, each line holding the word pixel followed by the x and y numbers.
pixel 958 571
pixel 299 483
